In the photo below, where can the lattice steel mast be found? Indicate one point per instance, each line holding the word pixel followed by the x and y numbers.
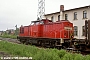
pixel 41 9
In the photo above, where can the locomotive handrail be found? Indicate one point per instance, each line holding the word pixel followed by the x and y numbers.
pixel 61 31
pixel 68 33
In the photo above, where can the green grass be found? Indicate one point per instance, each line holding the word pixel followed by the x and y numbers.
pixel 39 54
pixel 8 36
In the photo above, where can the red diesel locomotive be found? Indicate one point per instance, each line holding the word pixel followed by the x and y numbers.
pixel 47 33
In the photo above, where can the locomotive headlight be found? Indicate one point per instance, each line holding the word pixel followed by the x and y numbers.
pixel 68 28
pixel 65 36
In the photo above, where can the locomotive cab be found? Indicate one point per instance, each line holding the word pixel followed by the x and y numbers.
pixel 37 27
pixel 68 30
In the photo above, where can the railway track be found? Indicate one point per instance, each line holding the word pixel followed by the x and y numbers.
pixel 17 42
pixel 10 40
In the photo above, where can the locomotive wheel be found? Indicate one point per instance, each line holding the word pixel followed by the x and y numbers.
pixel 39 43
pixel 26 43
pixel 30 43
pixel 22 41
pixel 52 45
pixel 42 44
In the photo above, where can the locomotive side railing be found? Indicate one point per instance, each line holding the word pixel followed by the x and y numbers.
pixel 61 31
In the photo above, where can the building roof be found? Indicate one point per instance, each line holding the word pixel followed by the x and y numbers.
pixel 69 10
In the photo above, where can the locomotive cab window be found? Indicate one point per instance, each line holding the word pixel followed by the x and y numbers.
pixel 37 23
pixel 32 23
pixel 41 22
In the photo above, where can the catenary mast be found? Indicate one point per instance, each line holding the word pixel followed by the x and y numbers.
pixel 41 9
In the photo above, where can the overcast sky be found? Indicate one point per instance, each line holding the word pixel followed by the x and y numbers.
pixel 22 12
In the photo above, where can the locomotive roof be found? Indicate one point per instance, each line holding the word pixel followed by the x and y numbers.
pixel 41 20
pixel 46 21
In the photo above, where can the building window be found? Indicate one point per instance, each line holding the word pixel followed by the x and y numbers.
pixel 84 14
pixel 52 18
pixel 75 15
pixel 58 17
pixel 75 30
pixel 66 17
pixel 83 30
